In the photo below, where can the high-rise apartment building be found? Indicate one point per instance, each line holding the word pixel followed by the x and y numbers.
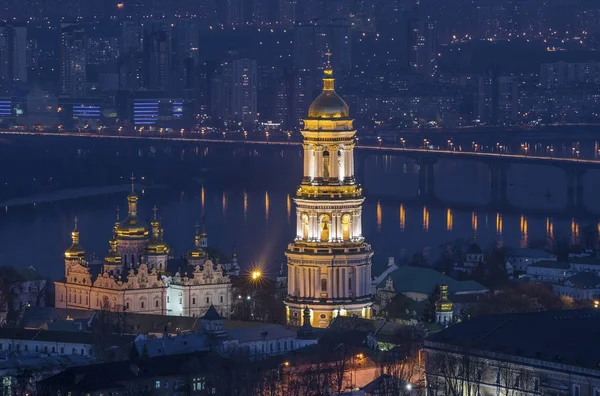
pixel 73 62
pixel 235 89
pixel 314 39
pixel 423 47
pixel 13 53
pixel 157 55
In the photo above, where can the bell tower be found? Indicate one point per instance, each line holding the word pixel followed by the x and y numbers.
pixel 329 262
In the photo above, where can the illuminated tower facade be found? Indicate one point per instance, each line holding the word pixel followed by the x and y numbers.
pixel 329 262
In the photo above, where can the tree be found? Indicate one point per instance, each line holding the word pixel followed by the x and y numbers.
pixel 429 310
pixel 134 354
pixel 397 373
pixel 455 374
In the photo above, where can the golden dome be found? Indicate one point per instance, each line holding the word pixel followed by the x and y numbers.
pixel 132 227
pixel 156 245
pixel 75 251
pixel 328 104
pixel 113 258
pixel 443 304
pixel 198 251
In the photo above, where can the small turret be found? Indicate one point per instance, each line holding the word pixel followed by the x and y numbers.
pixel 197 254
pixel 157 250
pixel 75 252
pixel 306 331
pixel 203 237
pixel 443 307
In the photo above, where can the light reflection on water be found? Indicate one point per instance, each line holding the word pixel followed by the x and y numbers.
pixel 262 220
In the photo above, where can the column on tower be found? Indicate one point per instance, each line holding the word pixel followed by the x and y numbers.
pixel 300 282
pixel 334 293
pixel 356 283
pixel 307 160
pixel 290 280
pixel 318 163
pixel 307 287
pixel 347 163
pixel 345 283
pixel 329 283
pixel 317 283
pixel 334 167
pixel 299 225
pixel 351 157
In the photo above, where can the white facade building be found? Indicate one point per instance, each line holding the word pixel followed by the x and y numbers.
pixel 523 257
pixel 135 276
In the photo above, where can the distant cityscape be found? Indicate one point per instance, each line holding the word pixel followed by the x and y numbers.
pixel 255 65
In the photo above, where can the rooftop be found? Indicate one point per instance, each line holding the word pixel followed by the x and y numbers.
pixel 583 280
pixel 11 274
pixel 78 337
pixel 115 375
pixel 423 280
pixel 532 335
pixel 553 264
pixel 531 253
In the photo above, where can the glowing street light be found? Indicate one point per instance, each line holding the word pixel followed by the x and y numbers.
pixel 256 275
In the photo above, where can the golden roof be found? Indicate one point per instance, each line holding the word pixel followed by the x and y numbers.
pixel 113 255
pixel 132 227
pixel 328 104
pixel 443 304
pixel 75 251
pixel 198 251
pixel 156 245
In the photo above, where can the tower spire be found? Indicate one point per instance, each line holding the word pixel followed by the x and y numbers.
pixel 132 178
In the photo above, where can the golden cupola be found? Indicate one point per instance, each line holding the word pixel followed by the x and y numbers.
pixel 328 105
pixel 443 304
pixel 132 227
pixel 198 251
pixel 75 251
pixel 113 258
pixel 156 244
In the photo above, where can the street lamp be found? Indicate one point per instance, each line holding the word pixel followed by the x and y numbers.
pixel 256 275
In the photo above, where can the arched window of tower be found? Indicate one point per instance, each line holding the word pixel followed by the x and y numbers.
pixel 324 226
pixel 326 165
pixel 305 227
pixel 346 225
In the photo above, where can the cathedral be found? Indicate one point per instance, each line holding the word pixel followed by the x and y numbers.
pixel 329 262
pixel 138 275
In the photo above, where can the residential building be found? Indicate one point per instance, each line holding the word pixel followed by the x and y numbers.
pixel 521 258
pixel 549 270
pixel 13 53
pixel 581 286
pixel 73 62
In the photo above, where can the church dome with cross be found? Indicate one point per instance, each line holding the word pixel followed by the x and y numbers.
pixel 328 105
pixel 132 227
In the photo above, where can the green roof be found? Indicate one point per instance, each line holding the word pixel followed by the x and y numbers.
pixel 423 280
